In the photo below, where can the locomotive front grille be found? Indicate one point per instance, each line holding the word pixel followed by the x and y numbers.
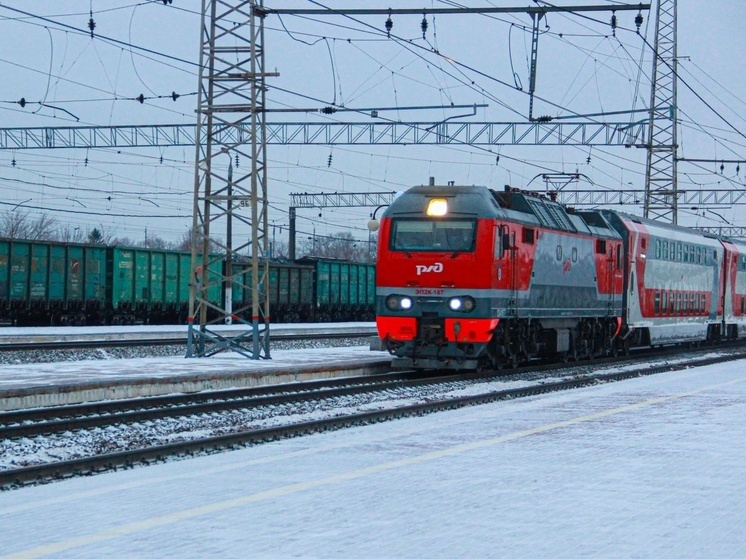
pixel 431 329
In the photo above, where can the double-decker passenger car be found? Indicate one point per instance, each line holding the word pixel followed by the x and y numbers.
pixel 673 282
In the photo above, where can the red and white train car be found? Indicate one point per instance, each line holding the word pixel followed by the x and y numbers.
pixel 673 282
pixel 734 301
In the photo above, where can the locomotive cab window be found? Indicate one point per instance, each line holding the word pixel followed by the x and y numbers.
pixel 600 246
pixel 425 235
pixel 502 241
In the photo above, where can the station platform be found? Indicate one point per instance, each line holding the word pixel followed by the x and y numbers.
pixel 650 468
pixel 47 384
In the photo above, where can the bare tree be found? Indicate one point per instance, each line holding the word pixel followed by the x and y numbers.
pixel 70 234
pixel 43 228
pixel 155 242
pixel 185 243
pixel 342 246
pixel 280 249
pixel 18 224
pixel 14 224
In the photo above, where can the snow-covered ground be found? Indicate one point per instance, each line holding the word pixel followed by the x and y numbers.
pixel 650 467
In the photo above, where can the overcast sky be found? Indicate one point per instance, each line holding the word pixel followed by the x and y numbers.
pixel 68 78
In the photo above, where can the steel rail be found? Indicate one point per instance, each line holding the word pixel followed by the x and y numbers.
pixel 128 459
pixel 131 342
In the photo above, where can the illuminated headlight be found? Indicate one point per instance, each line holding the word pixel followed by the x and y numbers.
pixel 398 303
pixel 461 304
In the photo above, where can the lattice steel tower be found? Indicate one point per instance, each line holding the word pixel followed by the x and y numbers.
pixel 230 201
pixel 661 191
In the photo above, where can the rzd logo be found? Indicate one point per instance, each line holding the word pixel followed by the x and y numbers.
pixel 436 268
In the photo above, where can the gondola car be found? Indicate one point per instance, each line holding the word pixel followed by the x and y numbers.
pixel 50 283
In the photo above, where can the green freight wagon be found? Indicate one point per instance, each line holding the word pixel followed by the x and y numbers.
pixel 343 290
pixel 43 283
pixel 290 291
pixel 152 285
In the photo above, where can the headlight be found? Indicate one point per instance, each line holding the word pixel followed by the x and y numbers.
pixel 461 304
pixel 398 303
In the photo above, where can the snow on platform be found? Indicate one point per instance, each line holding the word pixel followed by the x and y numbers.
pixel 647 468
pixel 46 384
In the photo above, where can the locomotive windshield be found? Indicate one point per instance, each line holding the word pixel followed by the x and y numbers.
pixel 426 235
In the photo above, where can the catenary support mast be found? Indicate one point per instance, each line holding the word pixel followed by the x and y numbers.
pixel 661 188
pixel 230 205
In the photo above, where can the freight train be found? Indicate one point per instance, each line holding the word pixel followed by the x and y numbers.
pixel 50 283
pixel 473 278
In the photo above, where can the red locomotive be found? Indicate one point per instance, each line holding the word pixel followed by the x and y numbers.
pixel 471 278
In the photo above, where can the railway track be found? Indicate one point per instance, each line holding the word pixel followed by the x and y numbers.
pixel 390 393
pixel 30 342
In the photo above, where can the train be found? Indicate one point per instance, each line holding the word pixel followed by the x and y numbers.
pixel 53 283
pixel 474 278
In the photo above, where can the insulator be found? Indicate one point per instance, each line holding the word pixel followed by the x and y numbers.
pixel 613 24
pixel 738 168
pixel 638 21
pixel 237 161
pixel 389 26
pixel 423 25
pixel 22 102
pixel 722 167
pixel 175 95
pixel 91 24
pixel 329 161
pixel 140 98
pixel 13 163
pixel 85 162
pixel 161 160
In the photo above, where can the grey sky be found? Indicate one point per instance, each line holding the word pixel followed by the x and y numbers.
pixel 581 69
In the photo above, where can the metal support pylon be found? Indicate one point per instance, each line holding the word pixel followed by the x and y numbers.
pixel 229 241
pixel 661 190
